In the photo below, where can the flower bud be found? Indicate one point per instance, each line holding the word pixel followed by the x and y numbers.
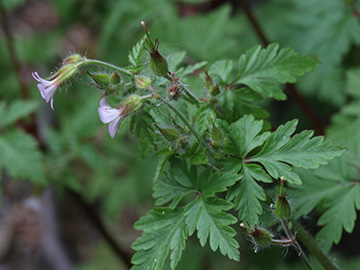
pixel 260 236
pixel 101 80
pixel 131 104
pixel 72 59
pixel 142 82
pixel 115 78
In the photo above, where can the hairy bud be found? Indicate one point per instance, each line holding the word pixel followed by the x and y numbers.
pixel 142 82
pixel 73 59
pixel 115 78
pixel 131 104
pixel 260 236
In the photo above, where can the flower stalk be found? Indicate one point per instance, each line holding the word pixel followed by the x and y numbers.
pixel 313 247
pixel 188 124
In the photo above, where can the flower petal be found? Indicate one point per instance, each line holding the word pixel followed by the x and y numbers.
pixel 42 90
pixel 114 127
pixel 106 116
pixel 36 76
pixel 104 105
pixel 52 103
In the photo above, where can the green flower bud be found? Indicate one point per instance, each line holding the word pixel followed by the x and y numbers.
pixel 101 80
pixel 72 59
pixel 131 104
pixel 260 236
pixel 115 78
pixel 142 82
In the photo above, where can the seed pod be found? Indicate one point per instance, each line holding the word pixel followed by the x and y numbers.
pixel 282 208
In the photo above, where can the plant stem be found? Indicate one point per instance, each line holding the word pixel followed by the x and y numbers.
pixel 31 127
pixel 11 48
pixel 105 64
pixel 290 235
pixel 188 124
pixel 313 247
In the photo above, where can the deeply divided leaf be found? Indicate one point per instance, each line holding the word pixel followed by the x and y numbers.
pixel 263 69
pixel 247 194
pixel 207 216
pixel 164 232
pixel 20 157
pixel 301 150
pixel 16 110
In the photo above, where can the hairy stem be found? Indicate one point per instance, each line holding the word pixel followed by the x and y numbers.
pixel 297 246
pixel 104 64
pixel 313 247
pixel 188 124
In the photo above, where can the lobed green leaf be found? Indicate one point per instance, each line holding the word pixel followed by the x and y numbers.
pixel 262 69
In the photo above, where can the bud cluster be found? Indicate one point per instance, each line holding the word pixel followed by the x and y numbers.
pixel 105 82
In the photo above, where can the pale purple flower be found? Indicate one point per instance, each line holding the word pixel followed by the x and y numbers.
pixel 111 115
pixel 47 88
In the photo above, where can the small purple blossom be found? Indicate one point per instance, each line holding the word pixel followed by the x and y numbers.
pixel 47 88
pixel 111 115
pixel 114 116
